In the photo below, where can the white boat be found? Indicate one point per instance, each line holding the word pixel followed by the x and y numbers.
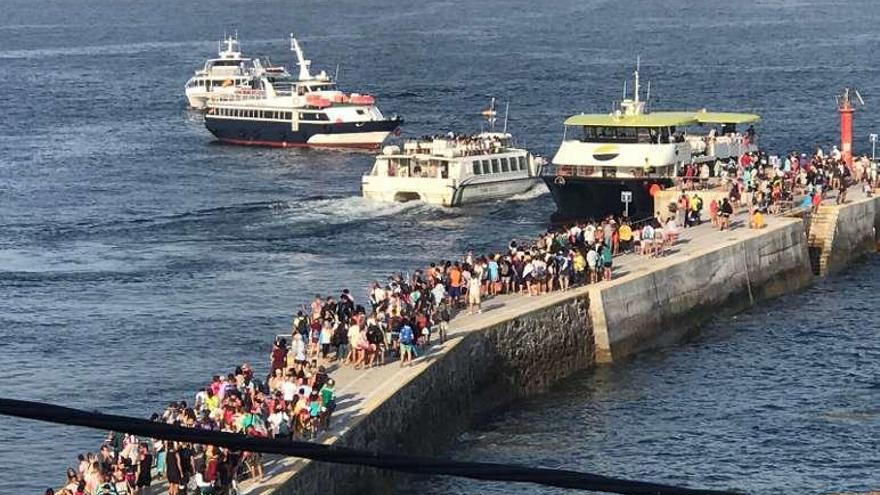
pixel 606 159
pixel 277 109
pixel 221 75
pixel 453 170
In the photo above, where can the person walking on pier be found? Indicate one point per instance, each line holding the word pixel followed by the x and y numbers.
pixel 473 292
pixel 606 258
pixel 725 212
pixel 407 340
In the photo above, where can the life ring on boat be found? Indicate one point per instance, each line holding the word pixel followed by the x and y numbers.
pixel 559 180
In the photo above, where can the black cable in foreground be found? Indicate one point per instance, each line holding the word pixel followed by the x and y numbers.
pixel 341 455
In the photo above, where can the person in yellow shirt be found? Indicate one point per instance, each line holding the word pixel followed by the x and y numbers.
pixel 579 263
pixel 212 402
pixel 625 234
pixel 758 220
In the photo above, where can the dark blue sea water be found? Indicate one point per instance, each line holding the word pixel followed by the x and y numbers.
pixel 137 258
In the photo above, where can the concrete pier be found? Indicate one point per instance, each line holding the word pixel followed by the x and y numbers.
pixel 521 345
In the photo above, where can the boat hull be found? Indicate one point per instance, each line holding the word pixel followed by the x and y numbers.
pixel 443 192
pixel 368 135
pixel 580 198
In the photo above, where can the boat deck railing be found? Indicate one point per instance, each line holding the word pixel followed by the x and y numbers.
pixel 241 95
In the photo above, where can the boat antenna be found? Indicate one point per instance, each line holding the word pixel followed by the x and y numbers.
pixel 624 89
pixel 304 64
pixel 336 75
pixel 648 95
pixel 636 82
pixel 506 113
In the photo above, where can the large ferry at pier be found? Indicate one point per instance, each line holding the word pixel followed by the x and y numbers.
pixel 607 159
pixel 221 75
pixel 452 170
pixel 279 110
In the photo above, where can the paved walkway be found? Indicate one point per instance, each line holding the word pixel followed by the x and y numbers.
pixel 359 391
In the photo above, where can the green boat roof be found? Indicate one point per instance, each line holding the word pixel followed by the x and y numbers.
pixel 726 118
pixel 661 119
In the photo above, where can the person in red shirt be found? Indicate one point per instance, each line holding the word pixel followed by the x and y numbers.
pixel 278 356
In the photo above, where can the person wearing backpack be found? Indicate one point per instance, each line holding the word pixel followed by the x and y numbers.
pixel 407 340
pixel 504 273
pixel 328 402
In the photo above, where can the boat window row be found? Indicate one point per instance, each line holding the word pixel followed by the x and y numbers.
pixel 642 135
pixel 248 113
pixel 498 165
pixel 232 62
pixel 202 83
pixel 313 116
pixel 302 89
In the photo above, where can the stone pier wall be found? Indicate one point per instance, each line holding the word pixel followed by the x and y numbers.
pixel 677 295
pixel 479 372
pixel 841 234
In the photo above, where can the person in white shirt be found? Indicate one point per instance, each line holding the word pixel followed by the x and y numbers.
pixel 592 264
pixel 647 239
pixel 288 388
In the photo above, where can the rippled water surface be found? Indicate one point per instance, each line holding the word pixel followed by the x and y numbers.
pixel 137 258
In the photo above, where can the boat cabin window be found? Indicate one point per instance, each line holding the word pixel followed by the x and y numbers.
pixel 495 168
pixel 475 167
pixel 504 165
pixel 643 135
pixel 313 116
pixel 522 163
pixel 226 63
pixel 425 169
pixel 486 168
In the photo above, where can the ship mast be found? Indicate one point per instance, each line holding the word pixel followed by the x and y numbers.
pixel 304 64
pixel 636 77
pixel 634 105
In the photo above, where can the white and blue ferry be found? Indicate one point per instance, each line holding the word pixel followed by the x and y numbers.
pixel 307 111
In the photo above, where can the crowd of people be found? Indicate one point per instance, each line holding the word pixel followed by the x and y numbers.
pixel 467 144
pixel 296 407
pixel 767 184
pixel 402 316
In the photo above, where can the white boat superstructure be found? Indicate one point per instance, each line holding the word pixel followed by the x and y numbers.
pixel 605 157
pixel 221 75
pixel 452 170
pixel 633 143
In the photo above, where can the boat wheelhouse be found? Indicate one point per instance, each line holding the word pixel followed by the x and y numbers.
pixel 222 75
pixel 452 170
pixel 279 110
pixel 632 150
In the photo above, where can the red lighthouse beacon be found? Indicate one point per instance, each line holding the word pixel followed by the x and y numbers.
pixel 846 107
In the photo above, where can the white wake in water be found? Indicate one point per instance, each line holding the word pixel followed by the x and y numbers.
pixel 537 191
pixel 348 209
